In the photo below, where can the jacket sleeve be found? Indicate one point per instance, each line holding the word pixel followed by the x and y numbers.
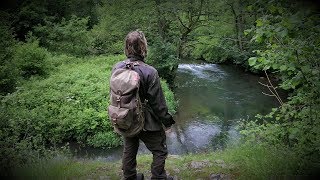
pixel 157 102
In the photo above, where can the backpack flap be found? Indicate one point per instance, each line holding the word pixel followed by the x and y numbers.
pixel 120 117
pixel 125 81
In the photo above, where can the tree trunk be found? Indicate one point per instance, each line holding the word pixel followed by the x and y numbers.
pixel 162 23
pixel 238 20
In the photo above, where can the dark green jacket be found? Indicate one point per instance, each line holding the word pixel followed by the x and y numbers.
pixel 156 113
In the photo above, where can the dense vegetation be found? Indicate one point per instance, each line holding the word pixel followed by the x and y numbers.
pixel 56 57
pixel 287 38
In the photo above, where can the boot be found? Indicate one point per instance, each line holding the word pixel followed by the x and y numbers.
pixel 140 176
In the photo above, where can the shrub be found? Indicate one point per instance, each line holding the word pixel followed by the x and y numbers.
pixel 169 96
pixel 68 36
pixel 162 56
pixel 289 46
pixel 30 59
pixel 8 79
pixel 104 139
pixel 8 73
pixel 105 42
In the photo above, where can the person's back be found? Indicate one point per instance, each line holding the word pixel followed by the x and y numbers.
pixel 155 111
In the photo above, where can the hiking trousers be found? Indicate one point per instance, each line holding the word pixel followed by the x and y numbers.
pixel 155 141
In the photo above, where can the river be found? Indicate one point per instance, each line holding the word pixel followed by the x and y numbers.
pixel 212 98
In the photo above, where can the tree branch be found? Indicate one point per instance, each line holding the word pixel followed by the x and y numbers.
pixel 272 89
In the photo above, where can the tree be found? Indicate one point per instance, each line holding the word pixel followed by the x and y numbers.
pixel 190 15
pixel 288 34
pixel 8 73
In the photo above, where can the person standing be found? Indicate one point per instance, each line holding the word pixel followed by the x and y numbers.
pixel 157 119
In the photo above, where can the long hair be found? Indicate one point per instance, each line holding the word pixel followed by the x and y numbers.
pixel 136 44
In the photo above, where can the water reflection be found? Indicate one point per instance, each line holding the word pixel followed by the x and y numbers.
pixel 212 98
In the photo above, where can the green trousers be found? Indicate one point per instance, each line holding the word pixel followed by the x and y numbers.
pixel 155 141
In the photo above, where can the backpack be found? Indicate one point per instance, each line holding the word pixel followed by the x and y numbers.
pixel 126 109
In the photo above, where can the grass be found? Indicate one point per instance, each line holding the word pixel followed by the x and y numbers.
pixel 241 162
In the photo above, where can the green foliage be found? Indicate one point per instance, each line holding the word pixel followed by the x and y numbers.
pixel 19 145
pixel 218 37
pixel 8 73
pixel 109 34
pixel 7 41
pixel 68 36
pixel 169 96
pixel 107 38
pixel 163 57
pixel 104 139
pixel 289 39
pixel 70 104
pixel 27 16
pixel 31 13
pixel 8 79
pixel 19 60
pixel 212 42
pixel 30 59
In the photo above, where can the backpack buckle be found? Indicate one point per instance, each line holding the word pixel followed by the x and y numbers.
pixel 119 92
pixel 129 65
pixel 119 101
pixel 114 121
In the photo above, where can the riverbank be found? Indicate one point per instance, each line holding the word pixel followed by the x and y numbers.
pixel 241 162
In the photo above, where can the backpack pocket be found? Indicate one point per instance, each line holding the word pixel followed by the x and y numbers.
pixel 120 117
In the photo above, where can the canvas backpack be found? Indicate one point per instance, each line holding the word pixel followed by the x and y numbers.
pixel 126 109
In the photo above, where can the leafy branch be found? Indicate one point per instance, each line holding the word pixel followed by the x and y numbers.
pixel 272 89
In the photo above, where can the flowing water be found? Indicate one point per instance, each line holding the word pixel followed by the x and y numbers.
pixel 212 98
